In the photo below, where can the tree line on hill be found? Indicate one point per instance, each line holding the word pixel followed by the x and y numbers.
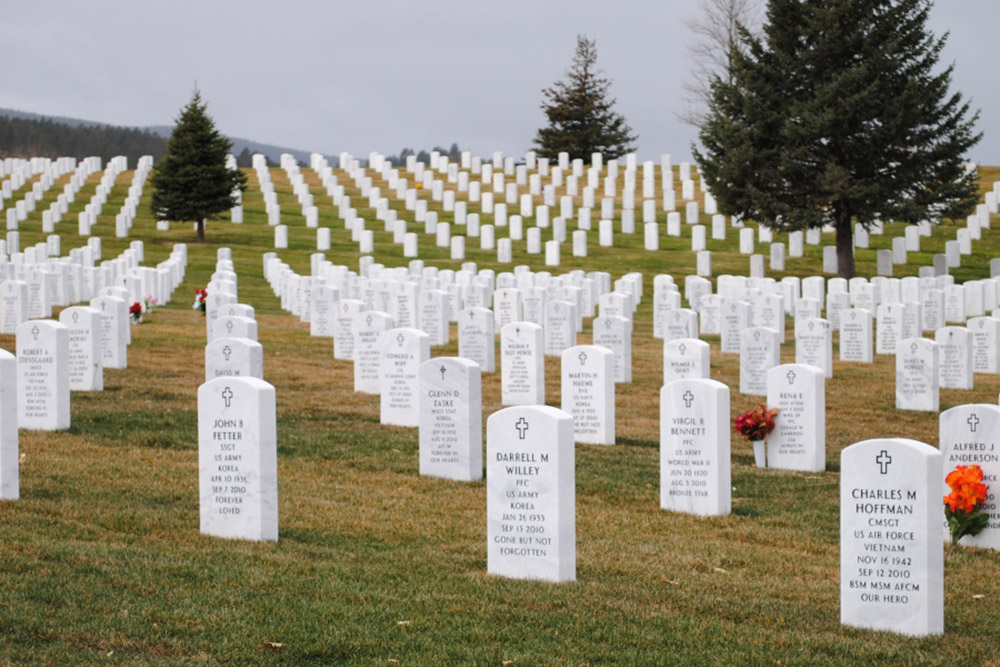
pixel 454 155
pixel 41 137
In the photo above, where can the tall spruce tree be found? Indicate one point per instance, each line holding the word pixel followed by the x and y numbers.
pixel 192 182
pixel 839 114
pixel 580 114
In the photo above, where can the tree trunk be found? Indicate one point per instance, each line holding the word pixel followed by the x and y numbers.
pixel 845 243
pixel 201 231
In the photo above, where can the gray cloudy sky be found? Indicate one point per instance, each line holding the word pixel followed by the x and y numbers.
pixel 366 75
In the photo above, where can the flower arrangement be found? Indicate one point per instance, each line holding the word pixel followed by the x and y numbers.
pixel 200 299
pixel 963 506
pixel 755 424
pixel 149 303
pixel 135 312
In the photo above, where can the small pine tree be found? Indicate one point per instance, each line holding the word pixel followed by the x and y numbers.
pixel 580 114
pixel 838 115
pixel 191 182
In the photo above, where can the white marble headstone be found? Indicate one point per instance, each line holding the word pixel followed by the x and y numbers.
pixel 798 441
pixel 234 357
pixel 917 375
pixel 43 375
pixel 86 362
pixel 695 468
pixel 402 351
pixel 760 351
pixel 9 462
pixel 238 459
pixel 685 358
pixel 531 494
pixel 522 364
pixel 891 553
pixel 970 435
pixel 476 340
pixel 588 393
pixel 451 419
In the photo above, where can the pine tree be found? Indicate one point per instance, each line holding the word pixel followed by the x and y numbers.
pixel 837 115
pixel 191 182
pixel 580 115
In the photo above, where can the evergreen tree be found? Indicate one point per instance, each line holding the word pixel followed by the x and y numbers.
pixel 191 182
pixel 837 115
pixel 580 115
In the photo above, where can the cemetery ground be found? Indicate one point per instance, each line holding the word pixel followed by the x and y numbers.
pixel 101 560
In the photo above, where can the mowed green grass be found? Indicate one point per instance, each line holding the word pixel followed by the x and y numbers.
pixel 101 561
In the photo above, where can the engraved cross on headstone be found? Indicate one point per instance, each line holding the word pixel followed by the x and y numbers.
pixel 883 460
pixel 973 422
pixel 682 348
pixel 227 396
pixel 76 316
pixel 442 369
pixel 229 326
pixel 226 351
pixel 34 332
pixel 791 377
pixel 400 340
pixel 688 398
pixel 583 358
pixel 522 427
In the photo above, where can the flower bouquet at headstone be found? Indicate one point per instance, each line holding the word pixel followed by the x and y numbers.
pixel 963 507
pixel 149 303
pixel 200 299
pixel 135 312
pixel 754 425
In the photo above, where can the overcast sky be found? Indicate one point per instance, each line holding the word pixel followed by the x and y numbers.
pixel 363 76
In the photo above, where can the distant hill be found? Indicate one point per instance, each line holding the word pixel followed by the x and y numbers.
pixel 26 134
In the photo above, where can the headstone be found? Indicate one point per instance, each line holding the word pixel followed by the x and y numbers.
pixel 917 375
pixel 985 333
pixel 695 467
pixel 343 332
pixel 114 330
pixel 798 441
pixel 451 426
pixel 685 358
pixel 323 310
pixel 735 317
pixel 522 364
pixel 560 327
pixel 9 457
pixel 760 351
pixel 238 459
pixel 891 554
pixel 368 328
pixel 86 367
pixel 476 340
pixel 932 309
pixel 954 357
pixel 830 259
pixel 531 494
pixel 13 305
pixel 967 435
pixel 615 333
pixel 234 357
pixel 43 375
pixel 856 335
pixel 588 393
pixel 234 326
pixel 769 311
pixel 403 350
pixel 889 327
